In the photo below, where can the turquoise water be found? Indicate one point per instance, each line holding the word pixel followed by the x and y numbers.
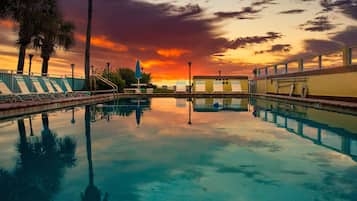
pixel 172 149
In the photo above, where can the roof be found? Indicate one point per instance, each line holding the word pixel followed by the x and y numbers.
pixel 231 77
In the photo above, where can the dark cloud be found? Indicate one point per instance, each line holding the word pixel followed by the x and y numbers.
pixel 276 48
pixel 348 37
pixel 245 13
pixel 263 2
pixel 243 41
pixel 315 46
pixel 318 24
pixel 293 11
pixel 249 12
pixel 347 7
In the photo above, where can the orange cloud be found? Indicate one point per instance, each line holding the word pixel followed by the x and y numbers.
pixel 102 42
pixel 174 52
pixel 7 23
pixel 156 63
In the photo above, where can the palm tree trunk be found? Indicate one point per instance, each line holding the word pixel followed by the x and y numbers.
pixel 44 70
pixel 88 41
pixel 21 60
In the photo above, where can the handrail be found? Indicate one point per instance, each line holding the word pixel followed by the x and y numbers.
pixel 347 59
pixel 108 82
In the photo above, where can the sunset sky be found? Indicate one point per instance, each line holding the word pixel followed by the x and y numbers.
pixel 233 36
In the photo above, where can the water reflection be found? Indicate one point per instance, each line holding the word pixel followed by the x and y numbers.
pixel 220 104
pixel 40 165
pixel 91 193
pixel 121 107
pixel 312 124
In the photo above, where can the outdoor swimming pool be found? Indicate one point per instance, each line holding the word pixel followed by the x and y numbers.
pixel 170 149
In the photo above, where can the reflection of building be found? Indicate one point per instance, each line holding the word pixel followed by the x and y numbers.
pixel 220 104
pixel 332 130
pixel 224 84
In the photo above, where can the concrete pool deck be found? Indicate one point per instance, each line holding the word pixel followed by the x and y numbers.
pixel 29 107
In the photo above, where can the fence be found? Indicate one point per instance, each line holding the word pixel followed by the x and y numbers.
pixel 341 58
pixel 8 78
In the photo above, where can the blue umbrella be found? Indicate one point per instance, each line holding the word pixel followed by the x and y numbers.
pixel 138 74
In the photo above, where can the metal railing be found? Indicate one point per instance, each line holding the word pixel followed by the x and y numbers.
pixel 342 58
pixel 8 77
pixel 114 87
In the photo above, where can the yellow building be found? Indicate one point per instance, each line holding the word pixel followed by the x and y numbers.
pixel 220 84
pixel 318 78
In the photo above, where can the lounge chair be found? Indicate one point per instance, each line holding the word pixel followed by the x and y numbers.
pixel 70 91
pixel 50 88
pixel 57 87
pixel 218 86
pixel 38 87
pixel 6 94
pixel 24 89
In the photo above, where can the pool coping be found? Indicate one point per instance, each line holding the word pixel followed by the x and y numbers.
pixel 323 104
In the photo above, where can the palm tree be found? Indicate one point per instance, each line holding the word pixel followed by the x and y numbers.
pixel 58 34
pixel 26 13
pixel 88 40
pixel 53 32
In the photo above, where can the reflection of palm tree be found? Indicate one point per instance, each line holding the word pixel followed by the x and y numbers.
pixel 92 193
pixel 39 168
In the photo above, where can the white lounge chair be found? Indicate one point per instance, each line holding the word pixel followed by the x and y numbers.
pixel 200 86
pixel 70 91
pixel 217 86
pixel 6 94
pixel 38 87
pixel 50 88
pixel 57 86
pixel 24 89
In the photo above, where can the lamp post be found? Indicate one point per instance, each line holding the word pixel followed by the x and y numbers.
pixel 189 76
pixel 73 121
pixel 30 64
pixel 72 67
pixel 108 66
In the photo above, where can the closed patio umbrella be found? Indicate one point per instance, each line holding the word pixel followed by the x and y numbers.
pixel 138 74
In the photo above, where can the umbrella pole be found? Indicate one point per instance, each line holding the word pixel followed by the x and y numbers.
pixel 138 84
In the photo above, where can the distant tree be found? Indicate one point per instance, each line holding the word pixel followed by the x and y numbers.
pixel 113 77
pixel 128 75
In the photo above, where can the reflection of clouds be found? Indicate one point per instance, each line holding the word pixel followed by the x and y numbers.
pixel 221 156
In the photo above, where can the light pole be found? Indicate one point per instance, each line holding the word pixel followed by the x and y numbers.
pixel 30 64
pixel 189 76
pixel 108 66
pixel 72 67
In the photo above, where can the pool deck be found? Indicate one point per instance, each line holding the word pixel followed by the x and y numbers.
pixel 29 107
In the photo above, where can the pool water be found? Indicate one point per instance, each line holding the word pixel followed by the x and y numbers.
pixel 174 149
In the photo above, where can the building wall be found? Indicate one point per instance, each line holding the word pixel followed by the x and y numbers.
pixel 337 84
pixel 226 87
